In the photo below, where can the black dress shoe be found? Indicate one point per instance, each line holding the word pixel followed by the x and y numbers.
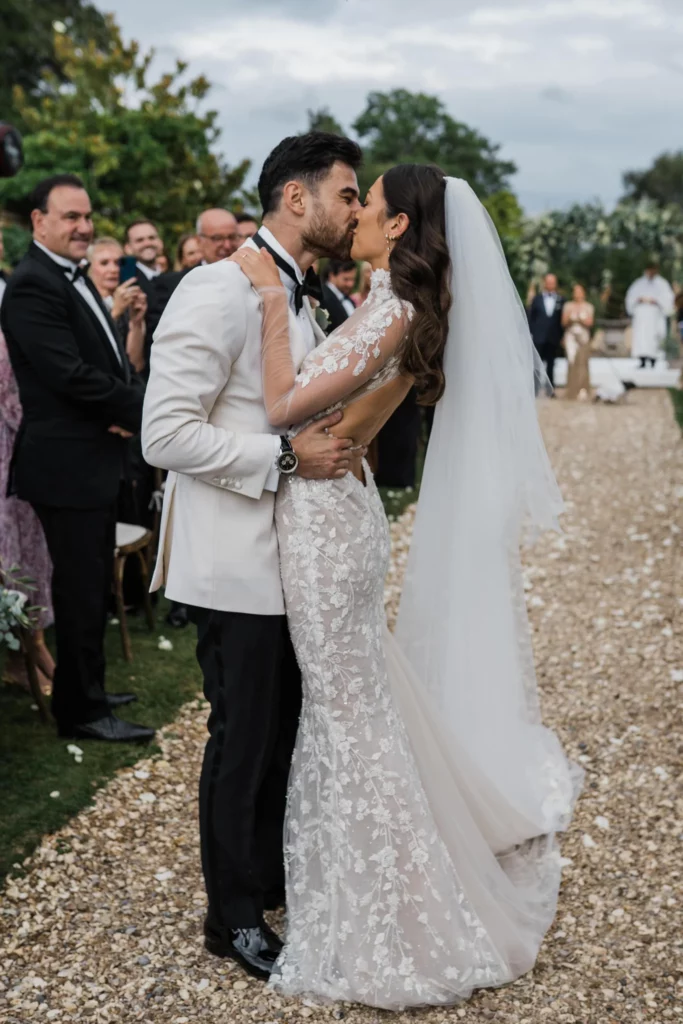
pixel 117 700
pixel 110 729
pixel 254 949
pixel 178 616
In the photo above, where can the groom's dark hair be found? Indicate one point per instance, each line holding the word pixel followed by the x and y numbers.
pixel 307 158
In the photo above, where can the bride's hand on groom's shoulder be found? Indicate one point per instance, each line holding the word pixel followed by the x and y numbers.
pixel 321 455
pixel 259 266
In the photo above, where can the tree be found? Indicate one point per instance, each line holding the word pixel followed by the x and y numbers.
pixel 27 43
pixel 323 121
pixel 142 148
pixel 404 127
pixel 663 182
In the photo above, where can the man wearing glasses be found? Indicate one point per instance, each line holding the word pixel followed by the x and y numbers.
pixel 218 235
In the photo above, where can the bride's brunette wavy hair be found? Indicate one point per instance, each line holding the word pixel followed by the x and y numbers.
pixel 420 267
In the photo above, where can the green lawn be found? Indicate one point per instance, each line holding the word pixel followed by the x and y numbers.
pixel 34 762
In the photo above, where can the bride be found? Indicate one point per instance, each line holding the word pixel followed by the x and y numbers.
pixel 424 793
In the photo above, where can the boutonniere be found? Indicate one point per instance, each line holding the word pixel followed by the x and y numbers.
pixel 322 318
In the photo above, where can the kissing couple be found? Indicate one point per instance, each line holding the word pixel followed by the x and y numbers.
pixel 398 794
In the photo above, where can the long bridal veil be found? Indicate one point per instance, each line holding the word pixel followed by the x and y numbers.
pixel 461 665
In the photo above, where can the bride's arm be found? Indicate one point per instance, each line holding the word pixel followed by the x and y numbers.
pixel 337 368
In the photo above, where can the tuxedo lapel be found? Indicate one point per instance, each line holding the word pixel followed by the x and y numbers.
pixel 123 365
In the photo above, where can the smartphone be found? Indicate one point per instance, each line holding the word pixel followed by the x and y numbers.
pixel 129 268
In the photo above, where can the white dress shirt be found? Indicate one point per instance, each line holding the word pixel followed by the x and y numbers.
pixel 303 321
pixel 549 301
pixel 83 290
pixel 3 285
pixel 149 272
pixel 346 302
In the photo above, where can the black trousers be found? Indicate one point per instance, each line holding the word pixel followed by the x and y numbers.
pixel 81 545
pixel 253 684
pixel 397 444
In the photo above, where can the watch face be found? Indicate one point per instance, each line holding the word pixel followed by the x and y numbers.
pixel 287 462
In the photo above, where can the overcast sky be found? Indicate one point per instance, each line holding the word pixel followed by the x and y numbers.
pixel 576 91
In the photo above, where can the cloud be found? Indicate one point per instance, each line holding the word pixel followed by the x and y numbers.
pixel 559 83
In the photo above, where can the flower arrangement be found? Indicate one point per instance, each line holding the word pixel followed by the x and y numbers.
pixel 15 612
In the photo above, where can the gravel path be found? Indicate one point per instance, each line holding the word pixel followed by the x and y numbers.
pixel 104 925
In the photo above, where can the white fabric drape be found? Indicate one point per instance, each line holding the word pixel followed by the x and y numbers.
pixel 462 623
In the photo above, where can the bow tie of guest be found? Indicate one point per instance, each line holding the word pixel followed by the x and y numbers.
pixel 80 400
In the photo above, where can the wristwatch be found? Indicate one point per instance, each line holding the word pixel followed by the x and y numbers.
pixel 287 460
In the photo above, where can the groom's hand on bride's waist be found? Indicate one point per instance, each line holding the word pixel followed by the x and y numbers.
pixel 322 456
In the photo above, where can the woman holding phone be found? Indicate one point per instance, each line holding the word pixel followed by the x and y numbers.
pixel 122 295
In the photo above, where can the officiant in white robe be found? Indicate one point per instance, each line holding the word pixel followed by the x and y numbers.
pixel 649 301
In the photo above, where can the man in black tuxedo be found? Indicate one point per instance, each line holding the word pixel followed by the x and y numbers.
pixel 80 400
pixel 545 324
pixel 341 279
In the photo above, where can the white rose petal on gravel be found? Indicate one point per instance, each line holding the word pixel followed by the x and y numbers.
pixel 677 675
pixel 147 798
pixel 660 772
pixel 588 841
pixel 163 875
pixel 141 774
pixel 601 821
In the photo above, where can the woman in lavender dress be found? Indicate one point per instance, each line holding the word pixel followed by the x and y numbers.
pixel 22 543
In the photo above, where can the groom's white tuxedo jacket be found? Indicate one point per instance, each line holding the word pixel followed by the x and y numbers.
pixel 204 420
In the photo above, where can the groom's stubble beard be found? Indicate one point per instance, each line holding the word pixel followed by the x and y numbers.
pixel 324 238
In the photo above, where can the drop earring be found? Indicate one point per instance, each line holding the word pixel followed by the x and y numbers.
pixel 391 239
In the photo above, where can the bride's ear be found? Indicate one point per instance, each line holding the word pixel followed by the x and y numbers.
pixel 398 225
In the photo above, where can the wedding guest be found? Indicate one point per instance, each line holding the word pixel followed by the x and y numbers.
pixel 80 402
pixel 22 542
pixel 188 253
pixel 126 302
pixel 162 264
pixel 358 297
pixel 578 317
pixel 142 241
pixel 650 303
pixel 218 234
pixel 341 278
pixel 247 225
pixel 545 324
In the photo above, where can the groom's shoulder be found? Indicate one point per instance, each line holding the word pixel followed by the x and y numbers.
pixel 225 274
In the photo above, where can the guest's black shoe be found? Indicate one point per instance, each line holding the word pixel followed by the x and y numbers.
pixel 274 899
pixel 117 700
pixel 178 616
pixel 110 729
pixel 254 949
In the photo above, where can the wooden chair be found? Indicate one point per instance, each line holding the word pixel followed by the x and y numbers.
pixel 131 540
pixel 28 650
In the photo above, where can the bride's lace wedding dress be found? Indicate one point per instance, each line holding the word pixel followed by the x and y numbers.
pixel 399 892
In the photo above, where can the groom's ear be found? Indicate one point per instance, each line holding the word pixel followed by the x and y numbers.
pixel 294 198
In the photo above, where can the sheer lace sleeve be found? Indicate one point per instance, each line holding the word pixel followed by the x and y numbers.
pixel 345 361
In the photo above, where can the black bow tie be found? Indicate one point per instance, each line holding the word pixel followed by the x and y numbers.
pixel 310 284
pixel 80 271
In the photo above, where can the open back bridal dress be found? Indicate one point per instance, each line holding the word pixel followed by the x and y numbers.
pixel 424 792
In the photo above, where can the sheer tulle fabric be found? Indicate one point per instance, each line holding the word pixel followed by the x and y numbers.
pixel 416 871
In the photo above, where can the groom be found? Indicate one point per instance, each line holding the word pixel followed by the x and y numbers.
pixel 204 420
